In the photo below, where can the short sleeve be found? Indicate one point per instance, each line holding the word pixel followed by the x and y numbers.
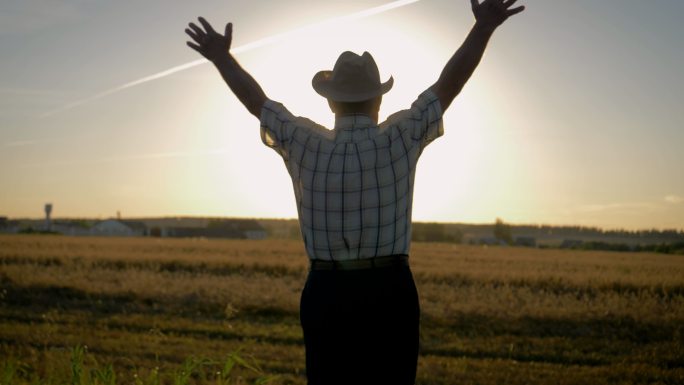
pixel 277 126
pixel 423 121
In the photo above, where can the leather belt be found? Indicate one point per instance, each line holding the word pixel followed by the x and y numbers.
pixel 359 264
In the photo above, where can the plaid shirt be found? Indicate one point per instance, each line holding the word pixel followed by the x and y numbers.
pixel 353 184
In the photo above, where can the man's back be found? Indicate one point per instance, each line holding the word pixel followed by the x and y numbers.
pixel 354 184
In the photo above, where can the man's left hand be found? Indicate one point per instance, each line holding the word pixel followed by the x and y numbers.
pixel 209 43
pixel 492 13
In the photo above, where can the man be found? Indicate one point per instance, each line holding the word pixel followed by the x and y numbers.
pixel 354 190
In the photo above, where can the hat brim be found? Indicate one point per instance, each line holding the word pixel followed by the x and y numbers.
pixel 325 87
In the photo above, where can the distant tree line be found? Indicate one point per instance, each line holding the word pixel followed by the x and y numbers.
pixel 665 248
pixel 569 231
pixel 653 240
pixel 435 232
pixel 503 231
pixel 421 231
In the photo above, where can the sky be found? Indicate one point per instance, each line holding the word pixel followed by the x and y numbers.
pixel 573 117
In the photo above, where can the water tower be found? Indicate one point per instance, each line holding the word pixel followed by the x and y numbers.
pixel 48 211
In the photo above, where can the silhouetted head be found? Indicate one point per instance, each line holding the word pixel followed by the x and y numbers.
pixel 353 86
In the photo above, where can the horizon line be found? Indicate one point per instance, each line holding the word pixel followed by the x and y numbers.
pixel 514 224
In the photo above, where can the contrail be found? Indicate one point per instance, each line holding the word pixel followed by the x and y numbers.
pixel 236 50
pixel 155 155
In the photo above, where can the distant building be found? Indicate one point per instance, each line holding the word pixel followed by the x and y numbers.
pixel 229 228
pixel 249 228
pixel 198 232
pixel 492 241
pixel 526 241
pixel 9 226
pixel 48 219
pixel 70 227
pixel 116 228
pixel 571 244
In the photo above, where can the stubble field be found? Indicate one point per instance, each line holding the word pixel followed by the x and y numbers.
pixel 489 315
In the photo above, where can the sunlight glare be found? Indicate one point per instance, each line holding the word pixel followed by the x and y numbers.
pixel 454 176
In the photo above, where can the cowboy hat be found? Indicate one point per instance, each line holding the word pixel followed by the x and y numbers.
pixel 353 79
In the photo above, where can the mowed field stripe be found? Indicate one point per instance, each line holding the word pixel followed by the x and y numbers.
pixel 489 316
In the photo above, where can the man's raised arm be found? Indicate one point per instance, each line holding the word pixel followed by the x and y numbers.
pixel 488 16
pixel 215 47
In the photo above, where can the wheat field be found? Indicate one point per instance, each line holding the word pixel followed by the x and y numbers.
pixel 494 315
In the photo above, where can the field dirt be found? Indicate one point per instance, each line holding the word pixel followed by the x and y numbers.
pixel 490 315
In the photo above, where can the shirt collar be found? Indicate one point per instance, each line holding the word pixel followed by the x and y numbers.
pixel 353 122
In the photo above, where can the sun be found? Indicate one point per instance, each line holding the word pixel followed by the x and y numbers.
pixel 257 181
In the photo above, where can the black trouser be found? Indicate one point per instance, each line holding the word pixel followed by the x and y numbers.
pixel 361 326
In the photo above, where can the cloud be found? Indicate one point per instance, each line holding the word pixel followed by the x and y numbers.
pixel 628 207
pixel 21 102
pixel 674 199
pixel 29 16
pixel 14 92
pixel 618 206
pixel 150 156
pixel 161 155
pixel 20 143
pixel 236 50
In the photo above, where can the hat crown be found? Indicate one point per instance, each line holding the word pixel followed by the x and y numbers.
pixel 353 78
pixel 352 71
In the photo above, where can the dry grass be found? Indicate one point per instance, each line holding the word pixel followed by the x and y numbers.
pixel 490 315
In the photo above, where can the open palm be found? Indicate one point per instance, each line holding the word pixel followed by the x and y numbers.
pixel 209 43
pixel 493 13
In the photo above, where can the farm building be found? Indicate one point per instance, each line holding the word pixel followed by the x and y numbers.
pixel 571 243
pixel 8 226
pixel 198 232
pixel 117 228
pixel 526 241
pixel 68 227
pixel 491 241
pixel 229 228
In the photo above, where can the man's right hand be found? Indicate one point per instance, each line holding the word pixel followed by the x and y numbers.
pixel 209 43
pixel 214 46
